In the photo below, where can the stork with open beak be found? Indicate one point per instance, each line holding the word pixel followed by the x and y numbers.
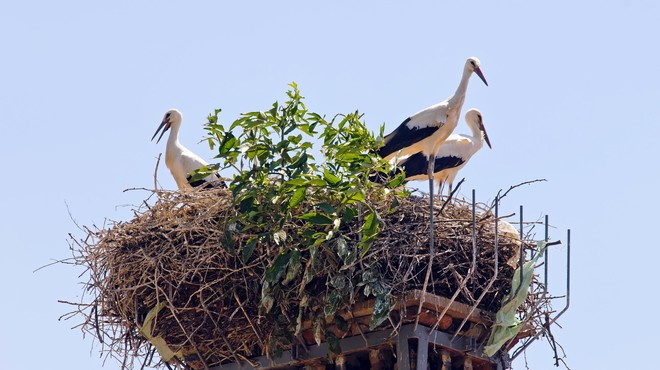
pixel 179 159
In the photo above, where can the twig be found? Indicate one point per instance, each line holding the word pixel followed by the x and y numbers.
pixel 156 173
pixel 451 195
pixel 513 187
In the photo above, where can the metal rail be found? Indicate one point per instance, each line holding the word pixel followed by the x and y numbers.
pixel 568 300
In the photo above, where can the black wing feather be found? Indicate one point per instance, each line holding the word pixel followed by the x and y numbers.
pixel 404 137
pixel 205 184
pixel 418 164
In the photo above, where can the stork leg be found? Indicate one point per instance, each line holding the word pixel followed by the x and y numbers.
pixel 441 186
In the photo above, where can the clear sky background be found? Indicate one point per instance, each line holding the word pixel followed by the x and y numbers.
pixel 84 85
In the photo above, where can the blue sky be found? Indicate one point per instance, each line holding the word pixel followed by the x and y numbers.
pixel 83 86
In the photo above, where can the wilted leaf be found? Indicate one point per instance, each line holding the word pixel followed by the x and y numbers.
pixel 267 302
pixel 275 271
pixel 342 246
pixel 294 267
pixel 279 237
pixel 331 303
pixel 317 331
pixel 382 309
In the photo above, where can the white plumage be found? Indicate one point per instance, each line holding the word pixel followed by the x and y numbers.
pixel 452 154
pixel 428 128
pixel 179 159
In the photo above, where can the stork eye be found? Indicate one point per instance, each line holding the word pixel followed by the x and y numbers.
pixel 472 62
pixel 168 115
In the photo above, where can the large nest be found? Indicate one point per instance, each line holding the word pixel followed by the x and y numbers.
pixel 174 254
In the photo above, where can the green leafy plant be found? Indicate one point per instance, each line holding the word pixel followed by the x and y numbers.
pixel 289 200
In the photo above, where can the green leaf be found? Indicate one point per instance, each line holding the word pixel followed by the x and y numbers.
pixel 355 195
pixel 318 182
pixel 349 214
pixel 277 269
pixel 370 224
pixel 246 204
pixel 330 178
pixel 228 143
pixel 297 197
pixel 249 249
pixel 397 181
pixel 297 182
pixel 326 208
pixel 333 342
pixel 394 204
pixel 341 323
pixel 316 218
pixel 369 231
pixel 227 241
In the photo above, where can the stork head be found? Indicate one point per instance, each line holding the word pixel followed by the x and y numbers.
pixel 171 117
pixel 474 65
pixel 475 120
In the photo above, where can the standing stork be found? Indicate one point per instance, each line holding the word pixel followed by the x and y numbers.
pixel 427 129
pixel 179 159
pixel 452 155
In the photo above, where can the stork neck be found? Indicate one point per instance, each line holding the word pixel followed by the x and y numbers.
pixel 458 96
pixel 174 135
pixel 476 132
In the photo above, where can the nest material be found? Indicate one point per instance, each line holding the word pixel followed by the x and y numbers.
pixel 175 251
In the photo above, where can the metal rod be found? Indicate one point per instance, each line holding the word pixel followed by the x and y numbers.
pixel 474 230
pixel 545 264
pixel 568 299
pixel 522 253
pixel 492 280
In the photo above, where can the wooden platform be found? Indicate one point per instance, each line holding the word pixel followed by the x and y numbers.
pixel 430 341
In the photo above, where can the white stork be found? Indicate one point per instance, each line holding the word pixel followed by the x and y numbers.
pixel 426 129
pixel 179 159
pixel 452 155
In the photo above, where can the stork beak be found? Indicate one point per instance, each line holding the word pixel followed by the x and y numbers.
pixel 481 75
pixel 166 123
pixel 483 129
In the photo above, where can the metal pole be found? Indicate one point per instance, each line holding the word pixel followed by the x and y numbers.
pixel 568 299
pixel 545 264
